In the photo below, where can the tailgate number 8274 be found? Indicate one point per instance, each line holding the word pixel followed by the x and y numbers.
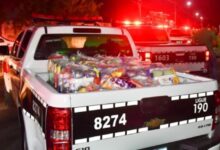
pixel 109 121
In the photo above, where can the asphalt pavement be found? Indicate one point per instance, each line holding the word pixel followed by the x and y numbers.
pixel 10 138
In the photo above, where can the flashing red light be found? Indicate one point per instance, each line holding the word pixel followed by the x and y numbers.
pixel 138 22
pixel 162 26
pixel 207 55
pixel 65 18
pixel 127 22
pixel 186 28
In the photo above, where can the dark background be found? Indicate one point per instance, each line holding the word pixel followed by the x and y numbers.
pixel 209 9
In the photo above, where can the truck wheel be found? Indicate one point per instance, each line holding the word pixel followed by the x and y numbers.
pixel 23 133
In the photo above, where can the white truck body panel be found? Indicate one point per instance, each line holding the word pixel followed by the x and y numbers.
pixel 34 74
pixel 180 49
pixel 146 138
pixel 182 129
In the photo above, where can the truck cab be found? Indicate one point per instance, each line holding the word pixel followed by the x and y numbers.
pixel 181 35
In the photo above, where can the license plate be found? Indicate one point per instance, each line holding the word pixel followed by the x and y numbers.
pixel 162 57
pixel 180 57
pixel 192 57
pixel 195 56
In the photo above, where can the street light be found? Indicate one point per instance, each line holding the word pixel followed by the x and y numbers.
pixel 139 8
pixel 197 14
pixel 174 2
pixel 201 19
pixel 175 12
pixel 188 3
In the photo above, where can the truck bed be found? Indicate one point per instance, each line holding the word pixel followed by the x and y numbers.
pixel 151 113
pixel 189 84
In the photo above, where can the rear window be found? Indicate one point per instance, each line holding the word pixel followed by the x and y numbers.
pixel 148 35
pixel 90 45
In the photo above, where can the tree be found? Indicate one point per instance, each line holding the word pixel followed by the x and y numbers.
pixel 20 11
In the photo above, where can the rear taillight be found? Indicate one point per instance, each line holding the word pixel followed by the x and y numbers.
pixel 58 127
pixel 207 55
pixel 5 67
pixel 216 116
pixel 147 56
pixel 188 42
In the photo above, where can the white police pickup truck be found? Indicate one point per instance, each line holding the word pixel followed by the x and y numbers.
pixel 155 45
pixel 149 117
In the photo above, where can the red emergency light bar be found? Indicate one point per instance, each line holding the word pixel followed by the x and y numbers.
pixel 130 23
pixel 127 22
pixel 138 22
pixel 162 26
pixel 186 28
pixel 43 17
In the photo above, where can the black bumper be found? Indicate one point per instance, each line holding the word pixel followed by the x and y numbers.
pixel 196 143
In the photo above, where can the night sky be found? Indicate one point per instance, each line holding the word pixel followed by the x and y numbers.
pixel 209 9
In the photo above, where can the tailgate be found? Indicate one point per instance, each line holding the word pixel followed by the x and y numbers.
pixel 176 54
pixel 178 57
pixel 146 122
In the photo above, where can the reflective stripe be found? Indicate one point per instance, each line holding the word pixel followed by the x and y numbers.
pixel 132 131
pixel 80 141
pixel 140 130
pixel 120 133
pixel 107 106
pixel 164 126
pixel 134 103
pixel 174 98
pixel 143 129
pixel 174 124
pixel 200 119
pixel 184 96
pixel 192 120
pixel 209 93
pixel 193 96
pixel 107 136
pixel 80 109
pixel 95 138
pixel 120 105
pixel 95 107
pixel 201 94
pixel 208 117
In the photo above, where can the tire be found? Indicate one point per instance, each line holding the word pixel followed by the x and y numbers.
pixel 23 133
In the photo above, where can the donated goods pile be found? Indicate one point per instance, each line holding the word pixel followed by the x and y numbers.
pixel 80 73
